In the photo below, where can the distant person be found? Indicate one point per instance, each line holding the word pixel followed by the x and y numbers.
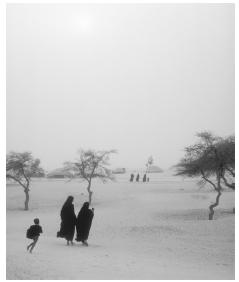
pixel 144 178
pixel 131 177
pixel 147 179
pixel 33 232
pixel 83 223
pixel 137 178
pixel 68 221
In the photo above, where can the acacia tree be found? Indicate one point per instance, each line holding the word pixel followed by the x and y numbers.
pixel 212 159
pixel 21 167
pixel 91 164
pixel 226 153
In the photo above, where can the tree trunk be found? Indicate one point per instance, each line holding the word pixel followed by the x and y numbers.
pixel 26 190
pixel 90 193
pixel 211 208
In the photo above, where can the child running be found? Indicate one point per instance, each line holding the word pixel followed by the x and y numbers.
pixel 33 233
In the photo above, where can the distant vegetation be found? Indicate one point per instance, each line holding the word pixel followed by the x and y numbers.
pixel 21 167
pixel 154 169
pixel 213 159
pixel 149 164
pixel 120 170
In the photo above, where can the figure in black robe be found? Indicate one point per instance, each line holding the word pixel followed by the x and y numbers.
pixel 131 177
pixel 68 221
pixel 137 178
pixel 144 178
pixel 83 223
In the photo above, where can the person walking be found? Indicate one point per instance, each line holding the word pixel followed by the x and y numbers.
pixel 137 178
pixel 131 177
pixel 144 178
pixel 68 221
pixel 83 223
pixel 33 232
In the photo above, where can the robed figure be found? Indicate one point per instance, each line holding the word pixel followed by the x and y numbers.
pixel 137 178
pixel 83 223
pixel 144 178
pixel 131 177
pixel 68 221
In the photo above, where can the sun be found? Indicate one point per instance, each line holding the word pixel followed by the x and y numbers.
pixel 83 23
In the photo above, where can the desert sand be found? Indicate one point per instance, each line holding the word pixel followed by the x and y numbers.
pixel 155 230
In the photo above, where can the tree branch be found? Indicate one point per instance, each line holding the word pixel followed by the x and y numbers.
pixel 230 170
pixel 15 179
pixel 26 178
pixel 209 181
pixel 230 185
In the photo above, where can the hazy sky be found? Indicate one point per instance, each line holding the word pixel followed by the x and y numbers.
pixel 139 78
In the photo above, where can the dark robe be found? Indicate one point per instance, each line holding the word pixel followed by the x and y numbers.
pixel 137 178
pixel 131 178
pixel 83 223
pixel 68 221
pixel 144 178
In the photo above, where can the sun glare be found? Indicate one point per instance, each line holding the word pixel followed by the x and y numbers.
pixel 83 23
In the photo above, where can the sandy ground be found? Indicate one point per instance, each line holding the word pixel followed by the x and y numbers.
pixel 157 230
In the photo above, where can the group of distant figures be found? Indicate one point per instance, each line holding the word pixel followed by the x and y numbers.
pixel 145 178
pixel 69 222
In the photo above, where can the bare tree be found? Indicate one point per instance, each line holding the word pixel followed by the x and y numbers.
pixel 149 163
pixel 91 164
pixel 211 157
pixel 21 167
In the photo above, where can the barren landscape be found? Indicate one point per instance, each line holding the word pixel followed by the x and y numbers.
pixel 155 230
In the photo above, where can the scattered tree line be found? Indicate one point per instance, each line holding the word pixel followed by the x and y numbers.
pixel 212 159
pixel 22 167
